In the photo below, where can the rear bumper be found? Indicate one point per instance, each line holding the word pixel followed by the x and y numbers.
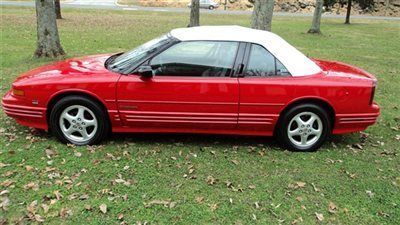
pixel 348 123
pixel 25 115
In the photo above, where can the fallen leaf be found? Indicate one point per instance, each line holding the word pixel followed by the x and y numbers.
pixel 5 202
pixel 332 208
pixel 65 212
pixel 4 192
pixel 32 185
pixel 103 208
pixel 298 220
pixel 50 153
pixel 58 194
pixel 211 180
pixel 45 208
pixel 315 187
pixel 369 193
pixel 120 216
pixel 383 214
pixel 88 207
pixel 199 199
pixel 166 203
pixel 6 183
pixel 31 208
pixel 84 197
pixel 39 218
pixel 28 168
pixel 300 184
pixel 320 216
pixel 213 207
pixel 3 165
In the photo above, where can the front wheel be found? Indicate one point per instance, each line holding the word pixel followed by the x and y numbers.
pixel 304 127
pixel 211 7
pixel 78 120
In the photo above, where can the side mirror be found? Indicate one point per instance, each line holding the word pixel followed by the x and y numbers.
pixel 145 71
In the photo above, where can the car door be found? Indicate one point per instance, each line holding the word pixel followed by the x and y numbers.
pixel 191 89
pixel 263 90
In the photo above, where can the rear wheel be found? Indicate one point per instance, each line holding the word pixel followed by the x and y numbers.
pixel 304 128
pixel 211 7
pixel 78 120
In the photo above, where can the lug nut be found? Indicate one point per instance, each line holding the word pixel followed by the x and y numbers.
pixel 73 121
pixel 79 119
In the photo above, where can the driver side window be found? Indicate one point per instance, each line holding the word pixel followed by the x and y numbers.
pixel 196 59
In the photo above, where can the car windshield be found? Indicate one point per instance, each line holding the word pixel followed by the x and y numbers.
pixel 124 63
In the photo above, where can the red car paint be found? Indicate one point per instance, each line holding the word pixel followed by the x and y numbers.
pixel 220 105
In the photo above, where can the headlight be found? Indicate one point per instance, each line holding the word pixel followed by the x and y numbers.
pixel 18 92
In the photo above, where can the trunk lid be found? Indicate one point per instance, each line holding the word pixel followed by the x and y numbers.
pixel 343 69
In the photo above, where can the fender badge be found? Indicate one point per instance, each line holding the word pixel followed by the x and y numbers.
pixel 35 102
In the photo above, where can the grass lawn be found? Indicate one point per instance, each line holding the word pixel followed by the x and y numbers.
pixel 200 179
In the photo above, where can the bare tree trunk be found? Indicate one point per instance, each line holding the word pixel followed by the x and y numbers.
pixel 387 3
pixel 348 12
pixel 194 14
pixel 262 14
pixel 58 9
pixel 316 23
pixel 48 41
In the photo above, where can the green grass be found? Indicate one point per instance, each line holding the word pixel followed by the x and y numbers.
pixel 364 183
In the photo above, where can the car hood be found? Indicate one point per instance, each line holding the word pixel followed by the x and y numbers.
pixel 84 66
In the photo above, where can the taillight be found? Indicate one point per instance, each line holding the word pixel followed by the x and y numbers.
pixel 372 95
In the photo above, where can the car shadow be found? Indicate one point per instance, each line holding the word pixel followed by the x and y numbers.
pixel 205 140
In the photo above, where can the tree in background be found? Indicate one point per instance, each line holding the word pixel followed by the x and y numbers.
pixel 48 41
pixel 194 13
pixel 364 5
pixel 348 12
pixel 58 9
pixel 316 23
pixel 262 14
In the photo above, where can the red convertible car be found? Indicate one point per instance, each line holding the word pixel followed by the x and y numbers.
pixel 212 79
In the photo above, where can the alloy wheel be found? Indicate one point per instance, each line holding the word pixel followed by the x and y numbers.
pixel 305 129
pixel 78 123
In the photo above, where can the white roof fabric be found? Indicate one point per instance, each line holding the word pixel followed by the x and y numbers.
pixel 296 62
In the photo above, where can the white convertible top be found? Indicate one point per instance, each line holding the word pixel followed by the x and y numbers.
pixel 296 62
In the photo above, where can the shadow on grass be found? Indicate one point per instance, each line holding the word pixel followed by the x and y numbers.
pixel 194 139
pixel 207 140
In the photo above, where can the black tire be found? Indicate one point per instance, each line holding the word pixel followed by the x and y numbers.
pixel 211 7
pixel 103 124
pixel 285 119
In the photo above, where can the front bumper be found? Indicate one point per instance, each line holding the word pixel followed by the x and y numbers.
pixel 25 115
